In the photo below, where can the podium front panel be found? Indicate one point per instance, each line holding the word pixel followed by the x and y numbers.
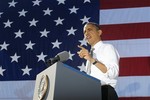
pixel 67 83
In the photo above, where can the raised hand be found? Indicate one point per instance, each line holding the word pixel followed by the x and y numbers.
pixel 84 53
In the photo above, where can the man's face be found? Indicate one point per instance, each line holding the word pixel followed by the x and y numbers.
pixel 91 34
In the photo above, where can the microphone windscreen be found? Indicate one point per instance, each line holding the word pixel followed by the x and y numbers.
pixel 64 56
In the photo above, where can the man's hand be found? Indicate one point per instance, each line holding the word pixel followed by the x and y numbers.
pixel 84 53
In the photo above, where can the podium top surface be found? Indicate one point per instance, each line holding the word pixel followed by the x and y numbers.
pixel 82 73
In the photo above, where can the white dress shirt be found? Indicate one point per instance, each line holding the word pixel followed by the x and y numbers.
pixel 108 55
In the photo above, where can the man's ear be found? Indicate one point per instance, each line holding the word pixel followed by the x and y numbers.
pixel 100 32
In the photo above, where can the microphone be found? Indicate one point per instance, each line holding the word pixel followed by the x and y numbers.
pixel 62 56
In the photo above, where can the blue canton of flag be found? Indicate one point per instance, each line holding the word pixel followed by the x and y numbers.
pixel 32 31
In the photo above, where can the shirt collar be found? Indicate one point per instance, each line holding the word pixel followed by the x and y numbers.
pixel 97 45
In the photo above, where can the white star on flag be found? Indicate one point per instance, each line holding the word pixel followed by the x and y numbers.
pixel 4 46
pixel 71 31
pixel 1 71
pixel 56 44
pixel 47 11
pixel 30 45
pixel 41 57
pixel 44 33
pixel 71 55
pixel 33 22
pixel 85 20
pixel 26 70
pixel 1 14
pixel 73 10
pixel 22 13
pixel 36 2
pixel 19 34
pixel 59 21
pixel 8 23
pixel 83 42
pixel 87 1
pixel 82 67
pixel 12 4
pixel 15 58
pixel 61 2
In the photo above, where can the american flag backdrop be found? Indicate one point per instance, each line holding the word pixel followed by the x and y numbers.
pixel 32 31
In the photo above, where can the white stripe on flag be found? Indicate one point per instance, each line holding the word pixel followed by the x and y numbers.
pixel 131 86
pixel 16 90
pixel 124 15
pixel 134 86
pixel 132 47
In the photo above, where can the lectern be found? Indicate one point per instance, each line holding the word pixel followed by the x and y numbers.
pixel 62 82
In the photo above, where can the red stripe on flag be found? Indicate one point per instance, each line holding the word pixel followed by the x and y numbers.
pixel 113 4
pixel 134 98
pixel 125 31
pixel 138 66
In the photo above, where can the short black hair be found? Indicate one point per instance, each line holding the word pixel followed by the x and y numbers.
pixel 94 24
